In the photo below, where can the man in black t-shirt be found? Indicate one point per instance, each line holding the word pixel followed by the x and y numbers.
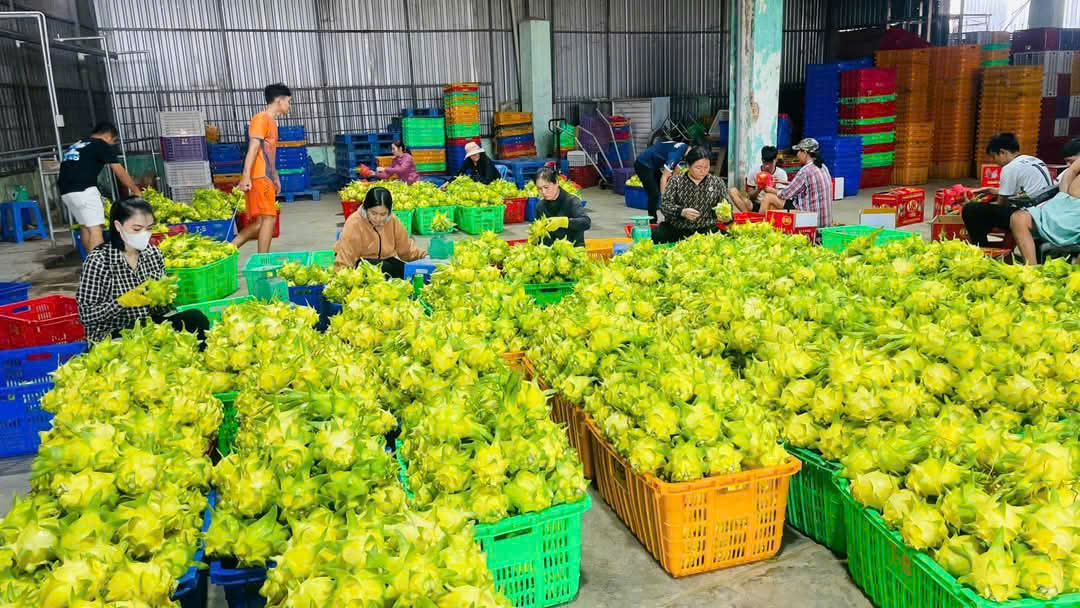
pixel 79 171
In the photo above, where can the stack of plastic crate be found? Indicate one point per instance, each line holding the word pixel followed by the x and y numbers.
pixel 953 91
pixel 911 162
pixel 226 165
pixel 514 135
pixel 425 137
pixel 821 118
pixel 354 149
pixel 995 49
pixel 1011 101
pixel 461 104
pixel 183 148
pixel 868 109
pixel 291 161
pixel 1057 51
pixel 843 157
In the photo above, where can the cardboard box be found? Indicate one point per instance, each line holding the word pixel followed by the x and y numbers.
pixel 989 175
pixel 908 202
pixel 946 201
pixel 838 188
pixel 789 221
pixel 878 217
pixel 947 228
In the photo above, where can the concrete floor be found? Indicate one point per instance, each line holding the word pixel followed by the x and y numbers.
pixel 616 570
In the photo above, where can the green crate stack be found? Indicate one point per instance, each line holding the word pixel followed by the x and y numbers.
pixel 423 131
pixel 205 283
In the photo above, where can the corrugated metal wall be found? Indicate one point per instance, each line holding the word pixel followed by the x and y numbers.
pixel 351 65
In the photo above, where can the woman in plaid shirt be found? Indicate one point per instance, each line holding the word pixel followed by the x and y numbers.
pixel 120 264
pixel 689 201
pixel 810 190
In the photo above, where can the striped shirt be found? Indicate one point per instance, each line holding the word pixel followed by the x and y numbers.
pixel 106 275
pixel 811 190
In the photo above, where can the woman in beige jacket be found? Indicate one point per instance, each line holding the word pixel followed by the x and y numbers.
pixel 374 234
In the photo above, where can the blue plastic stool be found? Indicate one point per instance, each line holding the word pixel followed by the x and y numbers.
pixel 504 171
pixel 14 215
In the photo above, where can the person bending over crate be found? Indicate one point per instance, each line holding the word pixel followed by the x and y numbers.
pixel 260 180
pixel 402 167
pixel 654 167
pixel 375 235
pixel 757 185
pixel 78 177
pixel 118 268
pixel 1057 220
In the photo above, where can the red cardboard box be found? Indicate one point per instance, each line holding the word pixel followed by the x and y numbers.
pixel 989 176
pixel 909 203
pixel 947 200
pixel 948 228
pixel 791 221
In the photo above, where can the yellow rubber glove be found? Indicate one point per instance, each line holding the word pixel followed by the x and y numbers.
pixel 134 298
pixel 560 222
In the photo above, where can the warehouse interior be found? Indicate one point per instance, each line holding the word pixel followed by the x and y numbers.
pixel 585 85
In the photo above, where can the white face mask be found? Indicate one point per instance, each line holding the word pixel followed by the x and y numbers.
pixel 136 240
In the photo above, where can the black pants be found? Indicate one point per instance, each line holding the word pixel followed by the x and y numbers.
pixel 667 233
pixel 393 268
pixel 192 321
pixel 981 218
pixel 650 181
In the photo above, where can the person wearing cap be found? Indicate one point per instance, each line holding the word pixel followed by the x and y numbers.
pixel 810 190
pixel 654 167
pixel 478 164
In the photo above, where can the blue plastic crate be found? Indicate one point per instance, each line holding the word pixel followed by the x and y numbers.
pixel 291 133
pixel 35 364
pixel 620 248
pixel 424 267
pixel 241 585
pixel 530 208
pixel 784 129
pixel 226 166
pixel 411 112
pixel 291 158
pixel 191 588
pixel 13 292
pixel 515 139
pixel 637 198
pixel 21 418
pixel 220 230
pixel 306 295
pixel 327 309
pixel 294 182
pixel 224 153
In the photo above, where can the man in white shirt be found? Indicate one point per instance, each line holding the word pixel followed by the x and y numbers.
pixel 1022 177
pixel 751 200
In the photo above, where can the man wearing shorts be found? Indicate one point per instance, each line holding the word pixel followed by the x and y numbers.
pixel 79 170
pixel 751 199
pixel 260 180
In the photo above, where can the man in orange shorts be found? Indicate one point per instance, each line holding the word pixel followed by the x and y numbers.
pixel 260 180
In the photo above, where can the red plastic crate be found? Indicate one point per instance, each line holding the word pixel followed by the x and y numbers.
pixel 347 207
pixel 515 210
pixel 243 220
pixel 41 321
pixel 868 110
pixel 876 177
pixel 174 229
pixel 867 82
pixel 878 148
pixel 585 177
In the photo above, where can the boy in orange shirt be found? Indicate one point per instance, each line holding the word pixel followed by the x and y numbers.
pixel 260 180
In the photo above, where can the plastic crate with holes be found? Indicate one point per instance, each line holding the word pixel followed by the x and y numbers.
pixel 211 281
pixel 477 220
pixel 39 322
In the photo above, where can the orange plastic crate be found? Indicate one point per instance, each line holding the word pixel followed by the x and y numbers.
pixel 573 417
pixel 429 156
pixel 512 118
pixel 603 249
pixel 911 175
pixel 696 526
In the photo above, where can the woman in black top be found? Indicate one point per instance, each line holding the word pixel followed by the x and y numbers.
pixel 123 263
pixel 478 165
pixel 556 202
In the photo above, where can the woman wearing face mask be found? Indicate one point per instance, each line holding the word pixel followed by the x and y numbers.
pixel 121 264
pixel 376 235
pixel 690 200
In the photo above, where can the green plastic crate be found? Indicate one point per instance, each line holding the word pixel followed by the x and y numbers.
pixel 405 215
pixel 423 131
pixel 878 159
pixel 875 99
pixel 291 171
pixel 814 506
pixel 547 294
pixel 266 264
pixel 476 220
pixel 440 248
pixel 213 308
pixel 837 238
pixel 270 289
pixel 422 217
pixel 871 139
pixel 205 283
pixel 534 558
pixel 431 167
pixel 227 431
pixel 867 121
pixel 458 130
